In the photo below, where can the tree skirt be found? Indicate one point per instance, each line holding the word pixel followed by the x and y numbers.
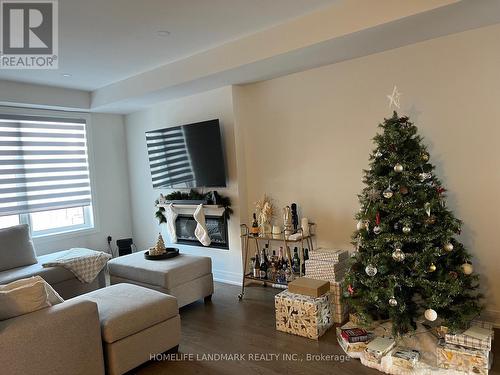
pixel 422 340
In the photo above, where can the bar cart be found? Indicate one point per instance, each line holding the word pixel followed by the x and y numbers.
pixel 268 238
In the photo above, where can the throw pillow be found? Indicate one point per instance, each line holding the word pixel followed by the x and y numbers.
pixel 16 247
pixel 53 297
pixel 22 300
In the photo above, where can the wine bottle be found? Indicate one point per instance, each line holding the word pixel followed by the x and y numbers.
pixel 263 265
pixel 296 261
pixel 256 266
pixel 254 230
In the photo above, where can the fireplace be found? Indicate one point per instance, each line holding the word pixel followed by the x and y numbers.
pixel 217 230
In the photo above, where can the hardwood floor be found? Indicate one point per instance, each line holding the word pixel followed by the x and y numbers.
pixel 247 328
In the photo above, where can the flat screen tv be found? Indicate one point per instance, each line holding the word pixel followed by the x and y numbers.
pixel 187 156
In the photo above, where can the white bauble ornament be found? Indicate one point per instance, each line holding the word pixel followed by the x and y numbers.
pixel 388 193
pixel 392 301
pixel 360 225
pixel 398 168
pixel 467 268
pixel 406 229
pixel 431 315
pixel 448 246
pixel 371 270
pixel 377 229
pixel 398 255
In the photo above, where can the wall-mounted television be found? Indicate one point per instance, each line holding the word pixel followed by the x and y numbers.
pixel 187 156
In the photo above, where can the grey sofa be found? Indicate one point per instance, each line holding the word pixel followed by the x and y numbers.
pixel 18 261
pixel 59 340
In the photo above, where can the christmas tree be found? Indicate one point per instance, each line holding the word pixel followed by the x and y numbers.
pixel 408 262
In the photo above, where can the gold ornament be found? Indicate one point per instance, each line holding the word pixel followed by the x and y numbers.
pixel 406 229
pixel 467 268
pixel 432 267
pixel 398 168
pixel 424 156
pixel 448 246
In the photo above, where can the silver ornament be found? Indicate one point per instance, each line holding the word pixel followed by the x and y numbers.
pixel 448 246
pixel 406 229
pixel 378 154
pixel 424 176
pixel 388 193
pixel 373 195
pixel 371 270
pixel 398 168
pixel 377 229
pixel 398 255
pixel 392 301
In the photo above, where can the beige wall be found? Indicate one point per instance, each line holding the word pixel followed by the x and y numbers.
pixel 201 107
pixel 307 136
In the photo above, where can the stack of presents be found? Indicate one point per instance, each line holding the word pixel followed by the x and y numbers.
pixel 312 304
pixel 469 351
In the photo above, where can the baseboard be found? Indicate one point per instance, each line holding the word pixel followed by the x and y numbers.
pixel 227 277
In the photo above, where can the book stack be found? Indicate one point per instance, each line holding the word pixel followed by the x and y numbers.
pixel 330 265
pixel 353 339
pixel 352 335
pixel 468 351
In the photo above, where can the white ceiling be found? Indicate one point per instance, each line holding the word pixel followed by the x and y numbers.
pixel 104 41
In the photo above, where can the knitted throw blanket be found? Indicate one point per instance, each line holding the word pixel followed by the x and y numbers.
pixel 85 264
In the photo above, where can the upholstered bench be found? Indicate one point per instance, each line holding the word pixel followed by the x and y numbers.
pixel 187 277
pixel 136 324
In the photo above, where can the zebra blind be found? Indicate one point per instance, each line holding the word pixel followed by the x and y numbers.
pixel 169 157
pixel 43 164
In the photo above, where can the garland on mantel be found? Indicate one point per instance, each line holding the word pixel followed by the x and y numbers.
pixel 212 197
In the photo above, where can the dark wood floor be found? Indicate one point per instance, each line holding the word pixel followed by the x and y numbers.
pixel 247 327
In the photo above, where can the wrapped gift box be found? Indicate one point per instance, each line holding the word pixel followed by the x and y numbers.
pixel 478 336
pixel 455 357
pixel 378 347
pixel 303 315
pixel 340 310
pixel 325 255
pixel 309 287
pixel 405 358
pixel 328 271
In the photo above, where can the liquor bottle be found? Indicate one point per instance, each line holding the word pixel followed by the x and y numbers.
pixel 266 258
pixel 273 257
pixel 306 257
pixel 256 266
pixel 254 230
pixel 296 261
pixel 263 265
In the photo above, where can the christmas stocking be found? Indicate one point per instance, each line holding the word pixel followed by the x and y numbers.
pixel 171 215
pixel 201 231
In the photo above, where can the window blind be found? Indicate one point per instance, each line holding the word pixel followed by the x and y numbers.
pixel 43 164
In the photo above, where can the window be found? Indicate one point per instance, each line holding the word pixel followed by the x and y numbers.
pixel 44 174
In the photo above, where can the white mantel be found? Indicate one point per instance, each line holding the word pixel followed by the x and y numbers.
pixel 189 209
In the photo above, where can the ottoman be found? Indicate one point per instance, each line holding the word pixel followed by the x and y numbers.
pixel 136 324
pixel 186 277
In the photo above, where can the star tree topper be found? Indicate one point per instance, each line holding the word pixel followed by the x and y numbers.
pixel 394 98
